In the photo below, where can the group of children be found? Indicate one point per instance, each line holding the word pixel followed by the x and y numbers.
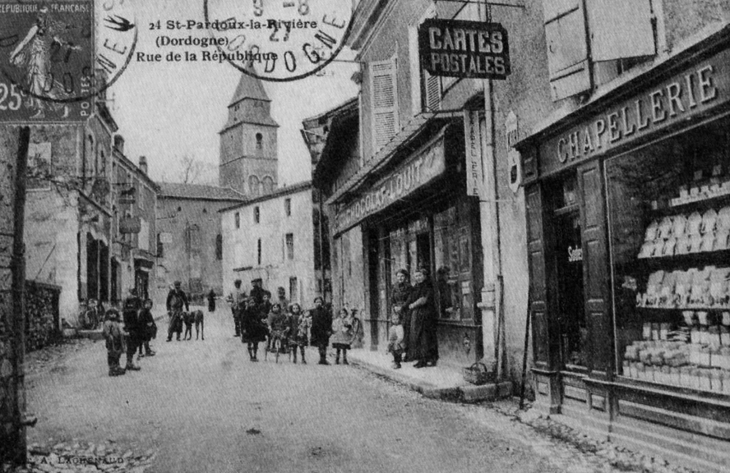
pixel 138 329
pixel 289 331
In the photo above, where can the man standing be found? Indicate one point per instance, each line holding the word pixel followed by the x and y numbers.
pixel 321 329
pixel 133 329
pixel 236 299
pixel 176 299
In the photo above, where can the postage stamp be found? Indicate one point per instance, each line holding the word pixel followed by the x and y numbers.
pixel 279 40
pixel 55 56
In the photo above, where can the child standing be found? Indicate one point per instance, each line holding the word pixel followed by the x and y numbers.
pixel 395 340
pixel 298 328
pixel 147 321
pixel 114 337
pixel 342 335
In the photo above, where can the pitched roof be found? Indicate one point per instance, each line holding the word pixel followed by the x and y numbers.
pixel 249 87
pixel 198 191
pixel 281 191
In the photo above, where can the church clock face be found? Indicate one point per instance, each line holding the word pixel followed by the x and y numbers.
pixel 278 40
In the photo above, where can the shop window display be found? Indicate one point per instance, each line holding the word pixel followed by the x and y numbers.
pixel 669 225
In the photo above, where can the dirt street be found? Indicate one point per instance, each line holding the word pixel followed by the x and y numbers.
pixel 202 406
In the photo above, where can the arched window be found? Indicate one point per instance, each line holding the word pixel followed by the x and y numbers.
pixel 259 141
pixel 267 184
pixel 253 185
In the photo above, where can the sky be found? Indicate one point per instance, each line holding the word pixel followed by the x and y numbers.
pixel 167 110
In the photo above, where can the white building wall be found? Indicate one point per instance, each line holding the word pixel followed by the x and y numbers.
pixel 240 246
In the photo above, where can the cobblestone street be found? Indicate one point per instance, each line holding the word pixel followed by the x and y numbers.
pixel 202 406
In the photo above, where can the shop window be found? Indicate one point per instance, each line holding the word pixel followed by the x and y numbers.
pixel 571 24
pixel 384 101
pixel 669 220
pixel 287 207
pixel 237 220
pixel 289 246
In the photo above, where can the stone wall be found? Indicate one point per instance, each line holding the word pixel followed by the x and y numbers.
pixel 41 315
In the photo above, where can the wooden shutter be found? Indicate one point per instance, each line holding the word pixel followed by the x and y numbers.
pixel 620 29
pixel 595 269
pixel 567 47
pixel 432 89
pixel 384 93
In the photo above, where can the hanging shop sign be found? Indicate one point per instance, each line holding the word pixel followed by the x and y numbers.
pixel 424 166
pixel 670 103
pixel 130 225
pixel 474 166
pixel 466 49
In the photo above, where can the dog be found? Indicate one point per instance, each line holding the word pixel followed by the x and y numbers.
pixel 188 319
pixel 199 324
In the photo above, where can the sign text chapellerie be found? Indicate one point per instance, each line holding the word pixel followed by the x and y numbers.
pixel 417 171
pixel 688 94
pixel 467 49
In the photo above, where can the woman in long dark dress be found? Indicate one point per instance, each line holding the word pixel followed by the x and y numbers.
pixel 253 328
pixel 399 300
pixel 423 341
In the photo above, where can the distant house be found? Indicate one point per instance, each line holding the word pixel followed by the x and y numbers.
pixel 189 238
pixel 271 238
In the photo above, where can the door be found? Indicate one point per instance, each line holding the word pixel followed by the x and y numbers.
pixel 374 277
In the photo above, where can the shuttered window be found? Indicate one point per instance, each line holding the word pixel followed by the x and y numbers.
pixel 432 89
pixel 581 32
pixel 384 96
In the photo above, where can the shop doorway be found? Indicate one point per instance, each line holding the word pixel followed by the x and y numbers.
pixel 423 251
pixel 571 306
pixel 374 275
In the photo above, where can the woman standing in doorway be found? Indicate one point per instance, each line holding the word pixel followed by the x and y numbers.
pixel 423 340
pixel 399 301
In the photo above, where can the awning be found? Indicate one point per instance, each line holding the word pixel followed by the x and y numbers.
pixel 406 134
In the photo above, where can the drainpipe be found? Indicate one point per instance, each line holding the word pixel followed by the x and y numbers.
pixel 493 291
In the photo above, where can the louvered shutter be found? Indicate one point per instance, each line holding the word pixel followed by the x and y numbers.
pixel 384 93
pixel 567 47
pixel 620 29
pixel 432 87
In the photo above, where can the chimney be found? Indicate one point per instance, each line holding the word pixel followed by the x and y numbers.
pixel 143 164
pixel 119 143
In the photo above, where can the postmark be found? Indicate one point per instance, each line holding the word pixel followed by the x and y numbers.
pixel 57 55
pixel 279 40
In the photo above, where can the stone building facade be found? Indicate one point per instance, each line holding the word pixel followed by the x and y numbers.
pixel 270 238
pixel 189 241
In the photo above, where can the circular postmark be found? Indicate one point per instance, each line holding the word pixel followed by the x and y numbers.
pixel 55 56
pixel 279 40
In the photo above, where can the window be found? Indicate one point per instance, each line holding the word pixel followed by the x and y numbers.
pixel 237 219
pixel 160 246
pixel 617 30
pixel 425 89
pixel 287 207
pixel 289 246
pixel 293 289
pixel 259 141
pixel 384 101
pixel 256 215
pixel 258 252
pixel 219 247
pixel 267 185
pixel 253 185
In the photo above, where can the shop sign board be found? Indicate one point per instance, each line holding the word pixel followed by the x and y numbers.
pixel 692 93
pixel 465 49
pixel 473 150
pixel 417 171
pixel 130 225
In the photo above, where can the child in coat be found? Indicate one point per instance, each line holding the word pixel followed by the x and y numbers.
pixel 342 335
pixel 395 340
pixel 115 346
pixel 298 324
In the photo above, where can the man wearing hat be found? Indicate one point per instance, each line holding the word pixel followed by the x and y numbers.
pixel 176 298
pixel 237 298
